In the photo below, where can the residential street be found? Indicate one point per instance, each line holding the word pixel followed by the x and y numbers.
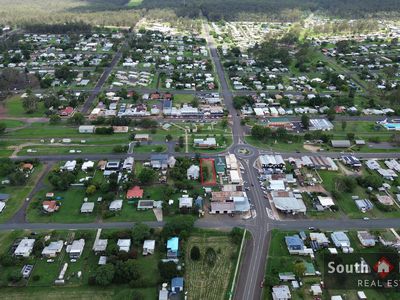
pixel 252 269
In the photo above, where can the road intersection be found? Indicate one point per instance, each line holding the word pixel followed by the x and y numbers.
pixel 253 264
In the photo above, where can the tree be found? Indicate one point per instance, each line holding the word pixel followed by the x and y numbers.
pixel 167 270
pixel 30 104
pixel 305 121
pixel 125 271
pixel 351 136
pixel 54 119
pixel 177 225
pixel 168 137
pixel 140 232
pixel 344 125
pixel 147 176
pixel 330 114
pixel 77 119
pixel 236 235
pixel 195 253
pixel 210 257
pixel 3 128
pixel 299 269
pixel 104 275
pixel 224 123
pixel 91 189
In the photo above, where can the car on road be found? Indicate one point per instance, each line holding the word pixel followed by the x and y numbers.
pixel 365 218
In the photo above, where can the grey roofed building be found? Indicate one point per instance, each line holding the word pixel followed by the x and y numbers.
pixel 241 204
pixel 4 197
pixel 87 207
pixel 340 143
pixel 281 292
pixel 287 202
pixel 320 124
pixel 115 205
pixel 100 245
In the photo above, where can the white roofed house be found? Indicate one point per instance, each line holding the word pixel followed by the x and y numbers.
pixel 115 205
pixel 124 244
pixel 149 247
pixel 128 164
pixel 281 292
pixel 25 247
pixel 75 250
pixel 366 239
pixel 53 249
pixel 207 143
pixel 193 172
pixel 69 165
pixel 185 202
pixel 340 239
pixel 87 165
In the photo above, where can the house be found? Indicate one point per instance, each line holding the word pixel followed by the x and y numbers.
pixel 66 112
pixel 281 292
pixel 87 207
pixel 177 285
pixel 163 294
pixel 340 143
pixel 320 239
pixel 87 165
pixel 222 208
pixel 75 250
pixel 100 245
pixel 340 239
pixel 69 166
pixel 27 167
pixel 128 164
pixel 115 205
pixel 52 249
pixel 161 161
pixel 142 137
pixel 320 124
pixel 2 206
pixel 366 239
pixel 294 244
pixel 193 172
pixel 288 202
pixel 325 202
pixel 220 165
pixel 207 143
pixel 124 244
pixel 25 247
pixel 173 247
pixel 316 290
pixel 145 204
pixel 87 129
pixel 185 202
pixel 149 247
pixel 134 193
pixel 50 206
pixel 4 197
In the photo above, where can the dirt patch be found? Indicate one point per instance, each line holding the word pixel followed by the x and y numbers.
pixel 311 148
pixel 318 188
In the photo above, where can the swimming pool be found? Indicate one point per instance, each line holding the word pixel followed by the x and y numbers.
pixel 392 126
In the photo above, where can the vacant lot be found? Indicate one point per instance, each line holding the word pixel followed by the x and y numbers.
pixel 203 281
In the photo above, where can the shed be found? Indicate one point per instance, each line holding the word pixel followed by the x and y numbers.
pixel 87 207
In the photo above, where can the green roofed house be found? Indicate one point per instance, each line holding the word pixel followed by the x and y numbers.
pixel 220 165
pixel 310 269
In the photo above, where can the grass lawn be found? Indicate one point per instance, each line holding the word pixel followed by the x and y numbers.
pixel 279 260
pixel 75 288
pixel 203 281
pixel 286 147
pixel 182 99
pixel 347 204
pixel 14 108
pixel 12 123
pixel 52 150
pixel 18 195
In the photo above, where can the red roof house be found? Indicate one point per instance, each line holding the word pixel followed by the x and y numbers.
pixel 135 192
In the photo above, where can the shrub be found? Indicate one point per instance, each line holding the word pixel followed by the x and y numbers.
pixel 195 253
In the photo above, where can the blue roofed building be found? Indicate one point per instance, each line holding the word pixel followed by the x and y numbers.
pixel 173 247
pixel 294 244
pixel 177 284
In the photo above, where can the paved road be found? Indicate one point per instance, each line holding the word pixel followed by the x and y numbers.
pixel 103 78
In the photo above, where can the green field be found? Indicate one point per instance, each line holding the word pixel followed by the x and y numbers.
pixel 203 281
pixel 18 195
pixel 14 109
pixel 12 123
pixel 279 260
pixel 133 3
pixel 41 283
